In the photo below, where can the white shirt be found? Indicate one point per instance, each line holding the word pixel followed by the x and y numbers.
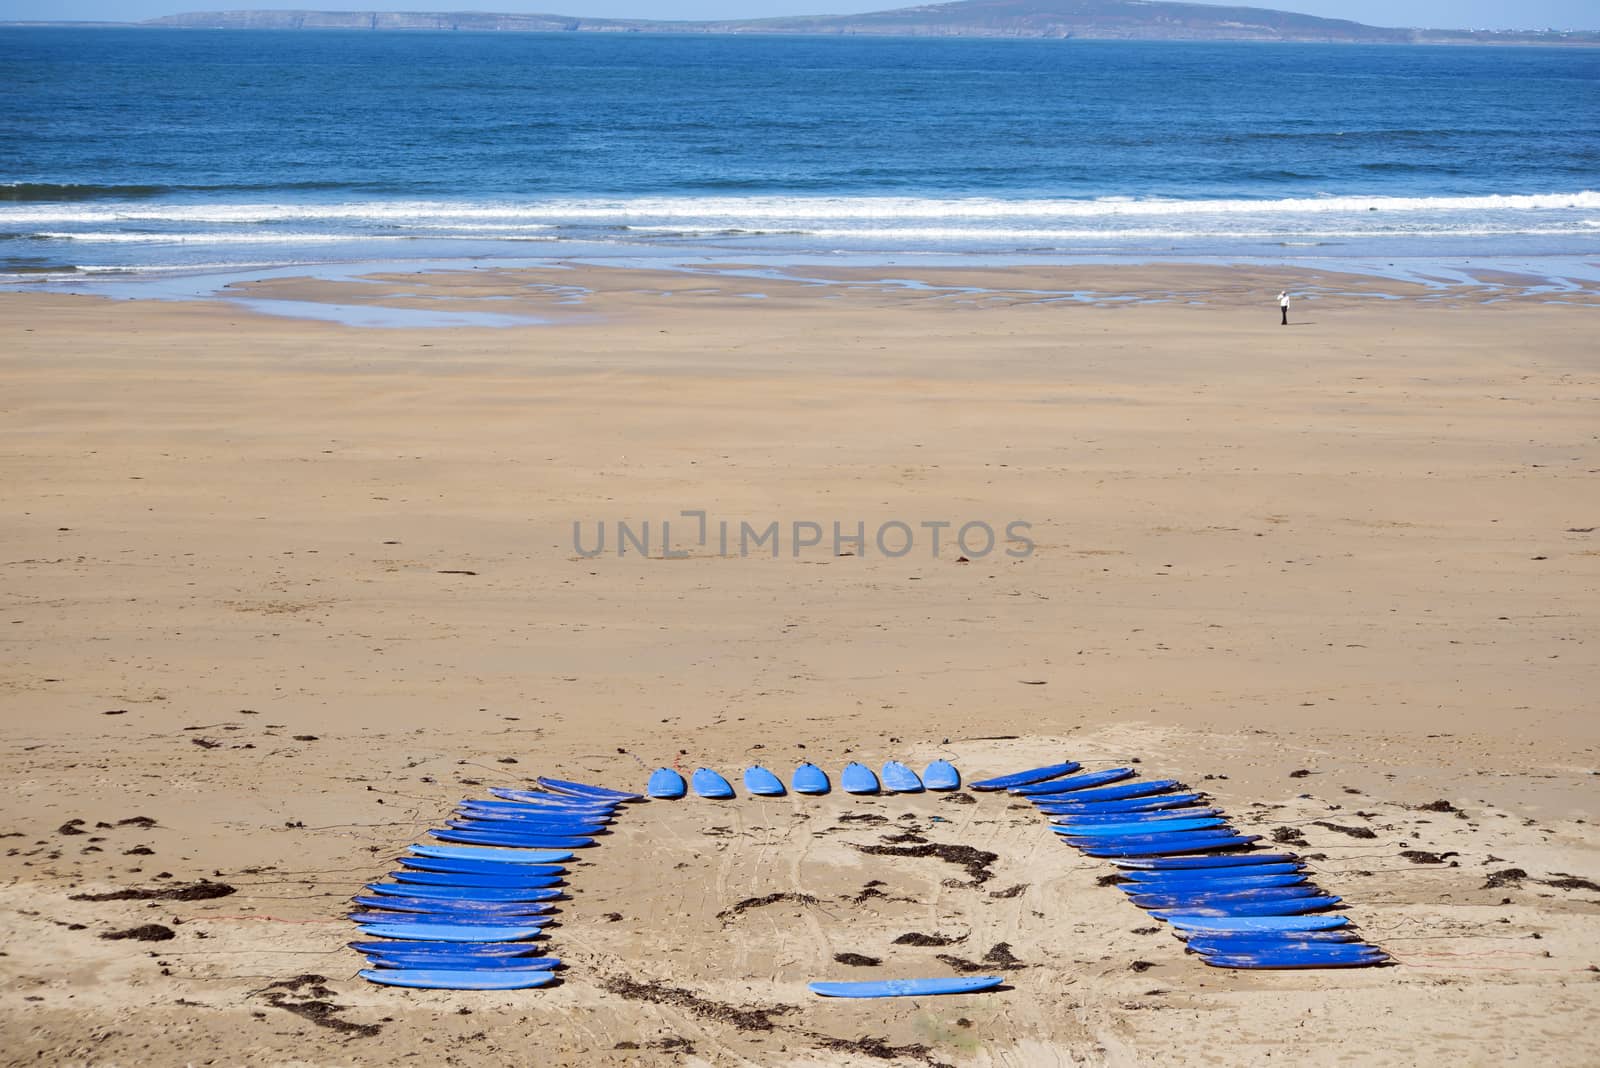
pixel 1283 300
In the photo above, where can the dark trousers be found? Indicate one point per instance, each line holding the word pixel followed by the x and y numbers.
pixel 1285 315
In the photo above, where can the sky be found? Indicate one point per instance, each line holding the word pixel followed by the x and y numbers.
pixel 1437 14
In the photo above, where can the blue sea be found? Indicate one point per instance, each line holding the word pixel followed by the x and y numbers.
pixel 169 150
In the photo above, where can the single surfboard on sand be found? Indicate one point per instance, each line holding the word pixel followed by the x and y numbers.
pixel 502 894
pixel 1177 845
pixel 1063 806
pixel 447 917
pixel 1349 955
pixel 1225 900
pixel 1202 942
pixel 1083 819
pixel 709 784
pixel 1258 923
pixel 465 962
pixel 907 988
pixel 858 779
pixel 761 782
pixel 1023 778
pixel 899 779
pixel 456 866
pixel 552 800
pixel 810 779
pixel 531 815
pixel 448 932
pixel 1118 830
pixel 525 827
pixel 1073 782
pixel 1242 882
pixel 665 784
pixel 510 856
pixel 509 838
pixel 1232 860
pixel 1296 906
pixel 436 979
pixel 482 949
pixel 485 881
pixel 941 775
pixel 583 789
pixel 515 911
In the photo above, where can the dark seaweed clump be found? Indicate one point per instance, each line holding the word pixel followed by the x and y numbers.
pixel 998 959
pixel 204 890
pixel 758 902
pixel 916 938
pixel 745 1018
pixel 307 997
pixel 150 932
pixel 975 861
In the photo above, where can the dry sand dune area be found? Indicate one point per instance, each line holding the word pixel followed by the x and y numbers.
pixel 276 592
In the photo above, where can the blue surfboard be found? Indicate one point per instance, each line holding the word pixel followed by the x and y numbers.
pixel 456 866
pixel 899 779
pixel 509 838
pixel 761 782
pixel 524 827
pixel 810 779
pixel 1089 841
pixel 1123 830
pixel 941 775
pixel 464 962
pixel 1074 782
pixel 412 923
pixel 1137 835
pixel 907 988
pixel 532 814
pixel 431 979
pixel 1053 807
pixel 552 800
pixel 1188 885
pixel 1125 791
pixel 448 932
pixel 1023 778
pixel 1225 900
pixel 526 801
pixel 503 894
pixel 1159 817
pixel 1200 942
pixel 1257 924
pixel 583 789
pixel 1285 907
pixel 477 909
pixel 557 808
pixel 858 779
pixel 481 949
pixel 496 881
pixel 1295 959
pixel 510 856
pixel 709 784
pixel 1232 860
pixel 1178 845
pixel 665 784
pixel 426 911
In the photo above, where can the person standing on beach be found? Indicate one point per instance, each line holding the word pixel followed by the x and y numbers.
pixel 1283 305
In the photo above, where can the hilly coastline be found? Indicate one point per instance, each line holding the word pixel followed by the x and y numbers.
pixel 1142 20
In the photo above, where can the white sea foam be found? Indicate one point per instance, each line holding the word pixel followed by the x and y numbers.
pixel 223 238
pixel 761 212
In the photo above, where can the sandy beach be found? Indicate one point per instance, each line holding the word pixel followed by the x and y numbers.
pixel 278 593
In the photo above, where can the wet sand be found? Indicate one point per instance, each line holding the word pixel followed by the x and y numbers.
pixel 290 589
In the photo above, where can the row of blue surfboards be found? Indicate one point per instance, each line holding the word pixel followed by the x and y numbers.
pixel 666 784
pixel 1236 906
pixel 469 910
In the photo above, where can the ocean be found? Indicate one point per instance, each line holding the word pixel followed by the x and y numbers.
pixel 167 150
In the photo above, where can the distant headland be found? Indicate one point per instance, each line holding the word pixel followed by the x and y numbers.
pixel 1122 20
